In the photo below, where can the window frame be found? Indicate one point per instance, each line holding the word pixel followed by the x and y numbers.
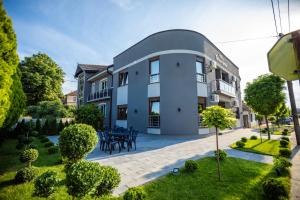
pixel 202 76
pixel 119 116
pixel 100 106
pixel 155 59
pixel 122 80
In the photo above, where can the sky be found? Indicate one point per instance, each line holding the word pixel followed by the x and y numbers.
pixel 94 31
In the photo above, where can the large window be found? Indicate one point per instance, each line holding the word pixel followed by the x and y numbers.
pixel 93 87
pixel 200 71
pixel 123 78
pixel 154 71
pixel 122 112
pixel 154 113
pixel 201 107
pixel 102 107
pixel 103 84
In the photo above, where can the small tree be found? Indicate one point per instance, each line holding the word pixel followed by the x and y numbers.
pixel 264 95
pixel 259 118
pixel 220 118
pixel 89 114
pixel 28 156
pixel 76 141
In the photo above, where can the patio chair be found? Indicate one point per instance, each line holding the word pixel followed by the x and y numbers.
pixel 110 143
pixel 101 140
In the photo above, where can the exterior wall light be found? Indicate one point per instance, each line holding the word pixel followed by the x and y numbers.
pixel 177 64
pixel 179 109
pixel 136 72
pixel 175 171
pixel 135 111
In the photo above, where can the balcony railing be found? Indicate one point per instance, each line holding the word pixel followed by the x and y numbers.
pixel 102 94
pixel 154 78
pixel 154 121
pixel 225 88
pixel 201 78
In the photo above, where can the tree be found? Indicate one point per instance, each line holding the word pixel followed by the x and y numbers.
pixel 281 112
pixel 42 78
pixel 11 92
pixel 220 118
pixel 259 118
pixel 89 114
pixel 38 125
pixel 264 95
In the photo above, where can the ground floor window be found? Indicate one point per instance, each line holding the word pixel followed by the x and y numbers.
pixel 154 112
pixel 102 107
pixel 201 107
pixel 122 112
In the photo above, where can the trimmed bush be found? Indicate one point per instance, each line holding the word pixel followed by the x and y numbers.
pixel 46 184
pixel 285 152
pixel 49 144
pixel 285 132
pixel 33 146
pixel 275 189
pixel 34 133
pixel 244 139
pixel 136 193
pixel 281 163
pixel 44 140
pixel 284 143
pixel 222 154
pixel 263 131
pixel 28 156
pixel 82 178
pixel 53 150
pixel 190 165
pixel 110 180
pixel 285 138
pixel 240 144
pixel 253 137
pixel 76 141
pixel 25 174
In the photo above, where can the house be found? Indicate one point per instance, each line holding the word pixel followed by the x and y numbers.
pixel 70 98
pixel 249 119
pixel 161 84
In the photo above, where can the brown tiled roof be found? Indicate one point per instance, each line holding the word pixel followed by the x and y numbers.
pixel 73 93
pixel 89 67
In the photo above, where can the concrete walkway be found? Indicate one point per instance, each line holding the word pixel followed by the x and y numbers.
pixel 295 180
pixel 157 155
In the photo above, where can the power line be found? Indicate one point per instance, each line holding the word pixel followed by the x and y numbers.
pixel 289 15
pixel 274 17
pixel 278 6
pixel 246 39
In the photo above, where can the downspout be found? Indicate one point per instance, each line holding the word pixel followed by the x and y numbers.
pixel 110 101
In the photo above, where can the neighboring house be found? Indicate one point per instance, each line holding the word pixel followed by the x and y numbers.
pixel 249 120
pixel 70 98
pixel 161 84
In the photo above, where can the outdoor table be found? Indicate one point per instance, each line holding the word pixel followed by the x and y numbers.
pixel 120 136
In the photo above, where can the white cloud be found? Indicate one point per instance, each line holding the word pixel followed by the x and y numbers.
pixel 125 4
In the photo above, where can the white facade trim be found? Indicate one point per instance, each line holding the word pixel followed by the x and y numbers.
pixel 122 95
pixel 121 123
pixel 155 131
pixel 154 90
pixel 172 51
pixel 201 90
pixel 203 131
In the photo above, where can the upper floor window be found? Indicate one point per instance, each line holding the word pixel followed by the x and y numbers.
pixel 93 87
pixel 102 107
pixel 154 71
pixel 74 98
pixel 123 78
pixel 103 84
pixel 122 112
pixel 200 71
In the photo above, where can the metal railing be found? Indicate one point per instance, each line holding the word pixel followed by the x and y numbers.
pixel 225 87
pixel 105 93
pixel 154 121
pixel 201 78
pixel 154 78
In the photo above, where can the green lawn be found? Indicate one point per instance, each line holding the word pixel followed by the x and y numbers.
pixel 267 147
pixel 241 179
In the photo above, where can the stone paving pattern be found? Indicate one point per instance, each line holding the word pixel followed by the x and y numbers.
pixel 295 171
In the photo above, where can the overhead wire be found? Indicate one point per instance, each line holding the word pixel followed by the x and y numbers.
pixel 274 17
pixel 278 6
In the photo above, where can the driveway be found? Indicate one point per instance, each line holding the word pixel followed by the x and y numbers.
pixel 157 155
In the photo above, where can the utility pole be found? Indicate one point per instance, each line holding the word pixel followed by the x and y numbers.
pixel 294 111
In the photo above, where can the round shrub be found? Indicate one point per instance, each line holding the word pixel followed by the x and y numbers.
pixel 44 139
pixel 29 155
pixel 136 193
pixel 275 189
pixel 53 150
pixel 240 144
pixel 285 152
pixel 33 146
pixel 49 144
pixel 82 178
pixel 46 184
pixel 34 133
pixel 244 139
pixel 285 132
pixel 285 138
pixel 281 163
pixel 110 179
pixel 222 154
pixel 25 174
pixel 253 137
pixel 20 146
pixel 190 165
pixel 76 141
pixel 263 131
pixel 284 143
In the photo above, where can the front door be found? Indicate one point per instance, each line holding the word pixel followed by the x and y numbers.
pixel 246 121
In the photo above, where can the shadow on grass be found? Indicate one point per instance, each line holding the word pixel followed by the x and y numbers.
pixel 7 183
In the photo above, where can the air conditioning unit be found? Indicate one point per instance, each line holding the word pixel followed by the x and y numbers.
pixel 214 98
pixel 234 103
pixel 233 78
pixel 213 64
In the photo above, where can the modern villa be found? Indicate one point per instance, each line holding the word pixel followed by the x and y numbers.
pixel 162 83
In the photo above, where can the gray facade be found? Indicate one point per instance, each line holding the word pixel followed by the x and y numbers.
pixel 180 92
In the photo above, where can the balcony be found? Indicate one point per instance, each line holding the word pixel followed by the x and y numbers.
pixel 201 78
pixel 225 88
pixel 102 94
pixel 154 121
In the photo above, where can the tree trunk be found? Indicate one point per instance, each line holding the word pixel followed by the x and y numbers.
pixel 294 111
pixel 260 133
pixel 218 158
pixel 268 129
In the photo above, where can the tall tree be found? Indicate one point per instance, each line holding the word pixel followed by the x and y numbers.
pixel 11 92
pixel 259 118
pixel 42 78
pixel 264 95
pixel 220 118
pixel 281 112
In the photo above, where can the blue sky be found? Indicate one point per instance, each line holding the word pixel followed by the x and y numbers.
pixel 94 31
